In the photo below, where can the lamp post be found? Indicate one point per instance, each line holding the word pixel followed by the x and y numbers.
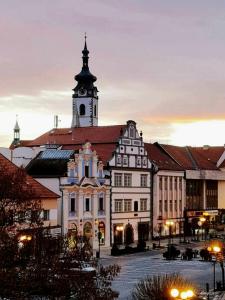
pixel 181 294
pixel 202 220
pixel 99 236
pixel 217 252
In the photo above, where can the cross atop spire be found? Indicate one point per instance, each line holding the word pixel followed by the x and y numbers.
pixel 85 53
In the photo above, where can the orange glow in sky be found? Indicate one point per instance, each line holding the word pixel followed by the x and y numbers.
pixel 198 133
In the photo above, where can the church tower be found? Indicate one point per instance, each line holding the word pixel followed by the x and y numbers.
pixel 85 99
pixel 16 130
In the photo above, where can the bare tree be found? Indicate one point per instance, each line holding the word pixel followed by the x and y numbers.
pixel 43 266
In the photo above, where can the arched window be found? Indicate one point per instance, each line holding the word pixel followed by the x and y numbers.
pixel 95 110
pixel 88 230
pixel 82 110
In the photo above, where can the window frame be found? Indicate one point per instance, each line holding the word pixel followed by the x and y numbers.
pixel 118 179
pixel 127 179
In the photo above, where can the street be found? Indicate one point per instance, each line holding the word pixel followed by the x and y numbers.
pixel 136 266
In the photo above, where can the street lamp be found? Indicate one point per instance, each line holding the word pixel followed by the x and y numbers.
pixel 23 239
pixel 99 235
pixel 217 252
pixel 183 294
pixel 170 223
pixel 202 221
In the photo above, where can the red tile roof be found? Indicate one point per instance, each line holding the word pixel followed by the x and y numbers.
pixel 179 154
pixel 206 158
pixel 79 135
pixel 160 158
pixel 102 138
pixel 104 151
pixel 38 188
pixel 192 158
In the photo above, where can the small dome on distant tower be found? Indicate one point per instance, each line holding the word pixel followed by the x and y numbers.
pixel 16 130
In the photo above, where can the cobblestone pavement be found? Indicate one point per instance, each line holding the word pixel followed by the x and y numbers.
pixel 136 266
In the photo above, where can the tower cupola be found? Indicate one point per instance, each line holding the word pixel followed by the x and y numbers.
pixel 85 98
pixel 16 131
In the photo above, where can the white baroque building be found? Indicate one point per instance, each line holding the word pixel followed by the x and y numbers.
pixel 86 198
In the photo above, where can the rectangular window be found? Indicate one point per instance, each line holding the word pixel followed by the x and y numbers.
pixel 180 184
pixel 118 205
pixel 46 215
pixel 143 204
pixel 160 205
pixel 171 205
pixel 127 205
pixel 86 171
pixel 101 204
pixel 144 180
pixel 87 204
pixel 135 205
pixel 171 183
pixel 127 179
pixel 165 183
pixel 175 205
pixel 72 204
pixel 165 207
pixel 118 179
pixel 175 183
pixel 125 160
pixel 160 183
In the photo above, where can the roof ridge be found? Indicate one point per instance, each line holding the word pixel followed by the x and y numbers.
pixel 187 148
pixel 161 146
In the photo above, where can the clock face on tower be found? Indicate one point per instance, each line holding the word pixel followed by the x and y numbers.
pixel 82 91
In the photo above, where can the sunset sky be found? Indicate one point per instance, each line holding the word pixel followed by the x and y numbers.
pixel 160 63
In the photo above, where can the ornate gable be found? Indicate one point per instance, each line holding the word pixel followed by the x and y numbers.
pixel 130 152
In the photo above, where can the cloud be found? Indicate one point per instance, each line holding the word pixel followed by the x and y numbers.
pixel 157 62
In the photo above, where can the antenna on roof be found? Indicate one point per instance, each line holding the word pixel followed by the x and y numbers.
pixel 56 121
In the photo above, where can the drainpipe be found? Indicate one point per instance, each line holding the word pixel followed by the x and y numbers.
pixel 152 172
pixel 110 205
pixel 62 209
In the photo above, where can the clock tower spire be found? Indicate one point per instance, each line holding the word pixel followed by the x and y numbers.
pixel 85 99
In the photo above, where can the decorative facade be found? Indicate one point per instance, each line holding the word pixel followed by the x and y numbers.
pixel 130 189
pixel 86 198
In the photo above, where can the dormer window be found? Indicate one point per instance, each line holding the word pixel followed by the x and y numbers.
pixel 118 159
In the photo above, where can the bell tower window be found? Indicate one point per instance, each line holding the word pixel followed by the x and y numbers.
pixel 95 111
pixel 82 110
